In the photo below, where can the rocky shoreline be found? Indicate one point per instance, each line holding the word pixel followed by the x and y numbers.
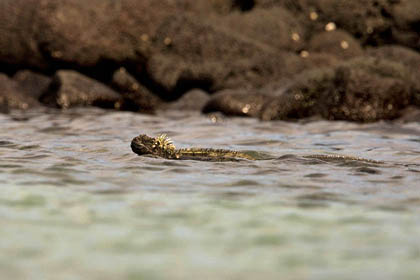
pixel 356 60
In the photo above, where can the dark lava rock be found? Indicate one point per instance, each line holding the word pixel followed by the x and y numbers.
pixel 406 56
pixel 182 51
pixel 367 20
pixel 276 27
pixel 293 5
pixel 47 33
pixel 317 60
pixel 410 114
pixel 337 42
pixel 237 103
pixel 406 29
pixel 407 13
pixel 193 100
pixel 220 7
pixel 70 89
pixel 12 96
pixel 199 54
pixel 4 106
pixel 174 75
pixel 363 89
pixel 373 22
pixel 31 83
pixel 136 97
pixel 173 46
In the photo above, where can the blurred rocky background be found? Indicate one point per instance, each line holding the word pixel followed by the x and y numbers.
pixel 355 60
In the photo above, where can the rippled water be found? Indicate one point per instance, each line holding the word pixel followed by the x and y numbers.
pixel 76 203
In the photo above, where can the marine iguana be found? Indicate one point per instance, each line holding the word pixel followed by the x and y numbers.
pixel 163 147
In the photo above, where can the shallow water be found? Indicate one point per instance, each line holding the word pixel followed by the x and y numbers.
pixel 76 203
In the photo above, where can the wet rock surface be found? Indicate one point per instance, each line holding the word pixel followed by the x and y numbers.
pixel 245 51
pixel 69 89
pixel 13 97
pixel 410 114
pixel 31 83
pixel 4 106
pixel 193 100
pixel 364 89
pixel 237 102
pixel 135 96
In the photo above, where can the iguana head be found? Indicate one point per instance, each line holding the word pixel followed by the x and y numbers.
pixel 160 146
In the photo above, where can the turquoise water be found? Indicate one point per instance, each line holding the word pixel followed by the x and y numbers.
pixel 76 203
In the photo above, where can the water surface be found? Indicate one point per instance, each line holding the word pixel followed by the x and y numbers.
pixel 76 203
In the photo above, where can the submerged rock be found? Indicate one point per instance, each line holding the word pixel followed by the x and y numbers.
pixel 363 89
pixel 69 89
pixel 135 96
pixel 12 96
